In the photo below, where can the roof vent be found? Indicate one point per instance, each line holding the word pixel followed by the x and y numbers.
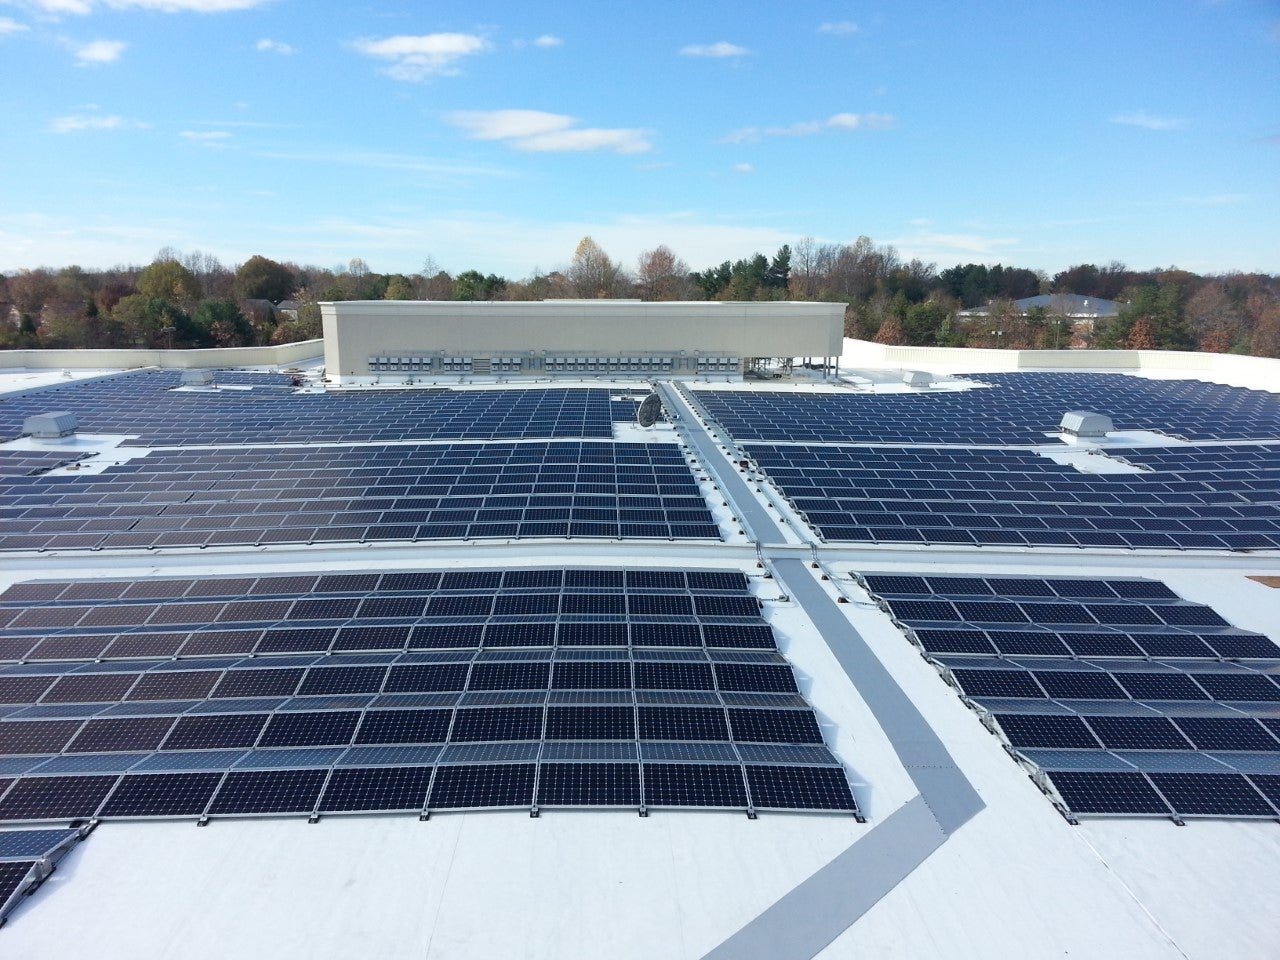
pixel 50 426
pixel 917 378
pixel 197 378
pixel 1084 423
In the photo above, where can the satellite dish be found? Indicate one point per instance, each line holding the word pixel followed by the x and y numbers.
pixel 650 410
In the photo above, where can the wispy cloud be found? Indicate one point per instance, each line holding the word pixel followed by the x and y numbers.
pixel 84 7
pixel 11 26
pixel 714 50
pixel 374 160
pixel 807 128
pixel 80 122
pixel 207 138
pixel 928 244
pixel 840 28
pixel 1148 121
pixel 743 168
pixel 415 58
pixel 98 52
pixel 545 42
pixel 1216 199
pixel 274 46
pixel 535 131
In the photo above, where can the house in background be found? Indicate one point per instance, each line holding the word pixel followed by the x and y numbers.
pixel 1083 313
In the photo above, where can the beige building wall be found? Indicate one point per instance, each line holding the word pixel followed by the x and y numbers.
pixel 355 331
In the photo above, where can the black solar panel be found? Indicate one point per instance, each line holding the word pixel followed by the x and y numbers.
pixel 589 784
pixel 694 785
pixel 376 788
pixel 1212 794
pixel 799 788
pixel 1108 793
pixel 269 791
pixel 162 795
pixel 1064 695
pixel 482 785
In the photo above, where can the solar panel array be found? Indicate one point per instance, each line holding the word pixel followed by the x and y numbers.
pixel 31 463
pixel 412 691
pixel 146 407
pixel 1130 700
pixel 26 857
pixel 185 498
pixel 1020 408
pixel 1223 497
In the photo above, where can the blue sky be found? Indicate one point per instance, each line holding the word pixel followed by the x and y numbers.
pixel 494 135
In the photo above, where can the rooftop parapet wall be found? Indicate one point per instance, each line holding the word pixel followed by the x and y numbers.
pixel 1255 372
pixel 276 356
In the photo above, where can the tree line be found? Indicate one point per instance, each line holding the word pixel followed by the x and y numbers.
pixel 193 300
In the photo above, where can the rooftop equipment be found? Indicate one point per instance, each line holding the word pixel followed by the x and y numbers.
pixel 197 378
pixel 51 426
pixel 1085 423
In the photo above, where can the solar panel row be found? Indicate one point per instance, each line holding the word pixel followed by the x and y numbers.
pixel 1153 722
pixel 145 406
pixel 405 492
pixel 425 788
pixel 223 735
pixel 1019 409
pixel 1015 497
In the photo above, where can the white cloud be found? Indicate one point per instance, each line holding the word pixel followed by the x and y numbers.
pixel 1148 121
pixel 186 6
pixel 11 26
pixel 207 138
pixel 76 7
pixel 930 245
pixel 274 46
pixel 715 50
pixel 99 51
pixel 79 122
pixel 743 168
pixel 546 40
pixel 415 58
pixel 84 7
pixel 841 28
pixel 536 131
pixel 807 128
pixel 1216 199
pixel 508 124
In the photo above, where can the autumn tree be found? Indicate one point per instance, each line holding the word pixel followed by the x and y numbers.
pixel 661 275
pixel 398 288
pixel 170 281
pixel 222 324
pixel 591 274
pixel 261 279
pixel 1214 319
pixel 890 332
pixel 1141 336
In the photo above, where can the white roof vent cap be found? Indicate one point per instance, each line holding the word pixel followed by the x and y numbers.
pixel 917 378
pixel 51 426
pixel 196 378
pixel 1085 423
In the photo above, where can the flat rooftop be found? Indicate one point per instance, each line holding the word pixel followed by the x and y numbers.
pixel 808 668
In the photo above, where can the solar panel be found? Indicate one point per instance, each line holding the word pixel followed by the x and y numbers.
pixel 269 792
pixel 1108 793
pixel 482 786
pixel 1212 794
pixel 161 795
pixel 694 785
pixel 358 789
pixel 799 788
